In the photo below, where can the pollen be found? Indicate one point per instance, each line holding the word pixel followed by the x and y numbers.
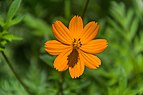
pixel 77 43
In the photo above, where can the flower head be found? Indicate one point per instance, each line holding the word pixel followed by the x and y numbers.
pixel 75 46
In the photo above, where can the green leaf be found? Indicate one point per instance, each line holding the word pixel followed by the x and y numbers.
pixel 1 21
pixel 11 37
pixel 129 18
pixel 47 59
pixel 116 27
pixel 118 13
pixel 13 9
pixel 11 87
pixel 138 7
pixel 43 28
pixel 111 91
pixel 1 49
pixel 2 43
pixel 134 27
pixel 122 82
pixel 15 20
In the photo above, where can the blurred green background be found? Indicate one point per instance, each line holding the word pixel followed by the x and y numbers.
pixel 22 40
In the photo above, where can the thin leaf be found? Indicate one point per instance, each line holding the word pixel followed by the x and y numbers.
pixel 116 27
pixel 13 9
pixel 118 13
pixel 122 82
pixel 129 18
pixel 16 20
pixel 11 37
pixel 134 27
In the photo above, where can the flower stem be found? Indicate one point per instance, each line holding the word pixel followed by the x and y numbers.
pixel 61 83
pixel 85 8
pixel 16 75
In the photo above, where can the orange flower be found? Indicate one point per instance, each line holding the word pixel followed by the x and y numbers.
pixel 75 46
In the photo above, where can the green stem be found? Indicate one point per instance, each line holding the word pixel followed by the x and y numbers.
pixel 85 8
pixel 61 83
pixel 16 75
pixel 67 8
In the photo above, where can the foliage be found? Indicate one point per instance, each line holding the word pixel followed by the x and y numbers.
pixel 121 24
pixel 124 23
pixel 11 87
pixel 10 20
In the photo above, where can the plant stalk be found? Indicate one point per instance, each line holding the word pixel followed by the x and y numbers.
pixel 15 73
pixel 85 8
pixel 61 83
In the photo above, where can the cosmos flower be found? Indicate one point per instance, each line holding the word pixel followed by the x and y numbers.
pixel 75 47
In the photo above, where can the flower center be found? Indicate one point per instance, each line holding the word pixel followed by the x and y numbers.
pixel 76 43
pixel 73 57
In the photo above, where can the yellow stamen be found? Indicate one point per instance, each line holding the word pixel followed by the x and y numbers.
pixel 73 57
pixel 76 43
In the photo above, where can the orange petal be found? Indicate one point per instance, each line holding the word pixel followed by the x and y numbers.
pixel 77 70
pixel 89 32
pixel 62 33
pixel 91 61
pixel 61 61
pixel 76 26
pixel 95 46
pixel 54 47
